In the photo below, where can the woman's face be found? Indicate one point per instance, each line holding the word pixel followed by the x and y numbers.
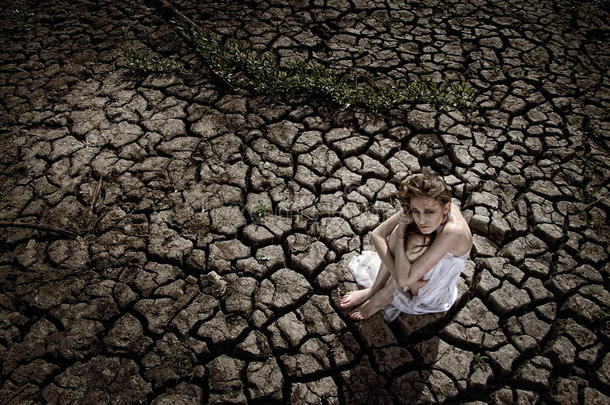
pixel 428 213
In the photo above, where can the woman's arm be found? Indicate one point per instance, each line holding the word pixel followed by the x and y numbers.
pixel 415 271
pixel 380 235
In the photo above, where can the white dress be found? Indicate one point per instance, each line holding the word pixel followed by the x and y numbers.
pixel 438 295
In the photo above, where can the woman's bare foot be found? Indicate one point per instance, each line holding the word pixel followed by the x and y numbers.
pixel 353 298
pixel 373 305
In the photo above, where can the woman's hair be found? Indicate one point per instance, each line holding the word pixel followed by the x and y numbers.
pixel 422 185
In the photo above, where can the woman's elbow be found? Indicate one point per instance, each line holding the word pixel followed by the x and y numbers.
pixel 377 239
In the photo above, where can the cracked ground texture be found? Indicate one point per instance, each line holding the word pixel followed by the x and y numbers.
pixel 136 262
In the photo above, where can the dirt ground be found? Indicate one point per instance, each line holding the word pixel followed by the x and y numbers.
pixel 168 239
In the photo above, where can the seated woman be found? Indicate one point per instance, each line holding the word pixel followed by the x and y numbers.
pixel 420 252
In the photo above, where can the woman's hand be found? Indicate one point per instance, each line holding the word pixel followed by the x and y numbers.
pixel 414 288
pixel 404 218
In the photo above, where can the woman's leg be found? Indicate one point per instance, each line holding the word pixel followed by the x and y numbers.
pixel 357 297
pixel 383 297
pixel 415 248
pixel 380 293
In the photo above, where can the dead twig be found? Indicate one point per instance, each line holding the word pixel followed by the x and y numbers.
pixel 586 207
pixel 168 173
pixel 15 394
pixel 94 200
pixel 4 224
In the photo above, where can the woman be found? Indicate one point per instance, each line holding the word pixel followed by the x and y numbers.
pixel 421 251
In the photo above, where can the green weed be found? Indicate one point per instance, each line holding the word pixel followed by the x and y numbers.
pixel 142 63
pixel 233 61
pixel 260 211
pixel 480 361
pixel 591 130
pixel 21 18
pixel 604 317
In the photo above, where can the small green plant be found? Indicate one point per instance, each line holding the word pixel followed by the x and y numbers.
pixel 142 63
pixel 604 317
pixel 234 61
pixel 573 5
pixel 21 19
pixel 480 361
pixel 260 211
pixel 592 131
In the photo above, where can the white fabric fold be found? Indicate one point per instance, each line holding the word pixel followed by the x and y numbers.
pixel 438 295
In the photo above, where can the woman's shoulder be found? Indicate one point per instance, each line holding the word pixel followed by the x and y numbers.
pixel 458 234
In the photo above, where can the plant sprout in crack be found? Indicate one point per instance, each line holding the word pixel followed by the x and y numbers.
pixel 259 211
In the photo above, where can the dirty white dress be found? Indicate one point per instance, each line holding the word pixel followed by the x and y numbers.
pixel 438 295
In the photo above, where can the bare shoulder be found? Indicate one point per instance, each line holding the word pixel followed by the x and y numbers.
pixel 457 234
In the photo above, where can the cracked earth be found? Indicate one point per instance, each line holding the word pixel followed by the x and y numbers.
pixel 136 262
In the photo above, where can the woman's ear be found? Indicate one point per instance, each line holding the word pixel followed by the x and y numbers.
pixel 447 208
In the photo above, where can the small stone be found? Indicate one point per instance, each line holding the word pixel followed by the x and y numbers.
pixel 583 307
pixel 526 397
pixel 213 284
pixel 391 358
pixel 536 289
pixel 239 294
pixel 158 312
pixel 593 253
pixel 169 360
pixel 366 385
pixel 453 361
pixel 513 104
pixel 442 386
